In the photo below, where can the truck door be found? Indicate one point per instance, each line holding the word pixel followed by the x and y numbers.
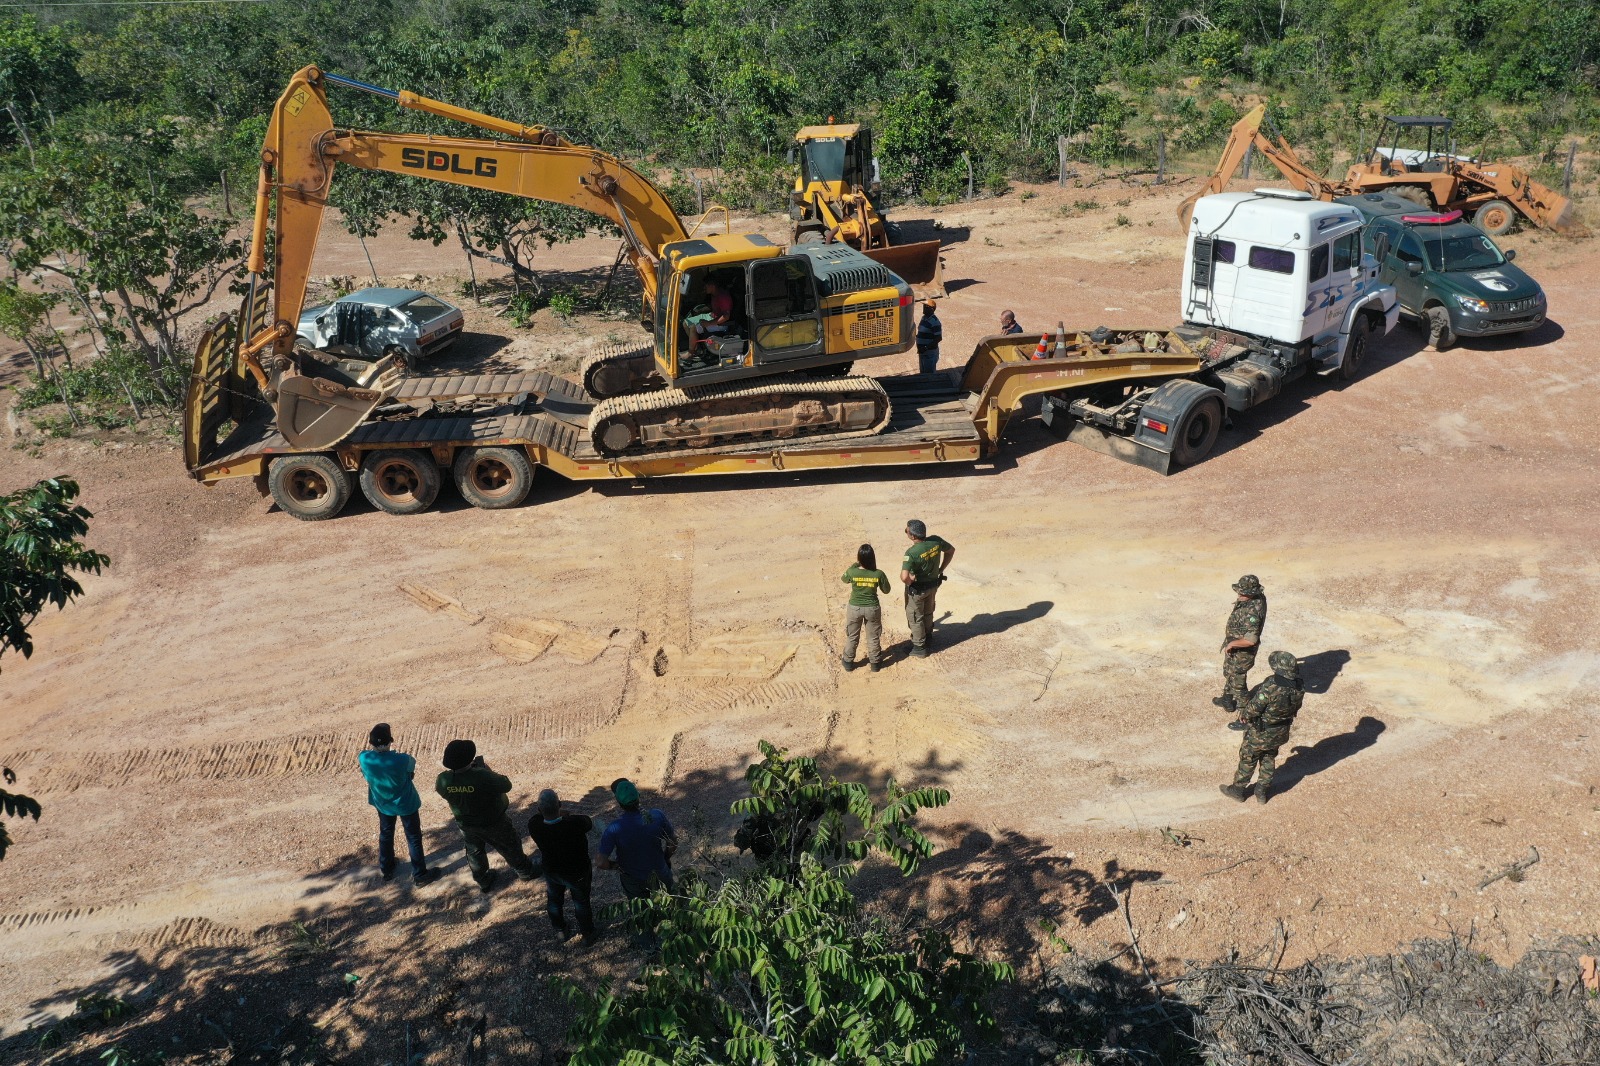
pixel 785 315
pixel 1344 274
pixel 1409 286
pixel 1319 290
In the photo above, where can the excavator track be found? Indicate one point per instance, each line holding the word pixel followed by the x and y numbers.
pixel 621 371
pixel 717 417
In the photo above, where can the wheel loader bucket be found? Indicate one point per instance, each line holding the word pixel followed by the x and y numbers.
pixel 918 265
pixel 315 413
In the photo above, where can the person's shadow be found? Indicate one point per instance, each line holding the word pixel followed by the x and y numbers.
pixel 1303 761
pixel 949 634
pixel 1319 670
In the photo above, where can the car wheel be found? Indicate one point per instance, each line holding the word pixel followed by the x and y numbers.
pixel 1495 217
pixel 400 480
pixel 1197 434
pixel 493 478
pixel 1440 334
pixel 309 487
pixel 1355 351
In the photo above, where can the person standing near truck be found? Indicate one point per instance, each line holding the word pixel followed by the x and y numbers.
pixel 1240 640
pixel 1009 324
pixel 1268 714
pixel 863 612
pixel 477 798
pixel 392 790
pixel 922 572
pixel 930 332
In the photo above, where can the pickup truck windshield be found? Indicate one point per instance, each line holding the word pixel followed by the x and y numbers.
pixel 1461 251
pixel 422 310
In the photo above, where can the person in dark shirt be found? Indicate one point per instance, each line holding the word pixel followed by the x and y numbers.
pixel 563 843
pixel 1009 323
pixel 930 333
pixel 477 798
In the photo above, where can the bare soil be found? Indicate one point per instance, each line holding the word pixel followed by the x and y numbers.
pixel 1426 536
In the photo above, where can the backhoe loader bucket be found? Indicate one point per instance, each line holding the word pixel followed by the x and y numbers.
pixel 315 413
pixel 918 265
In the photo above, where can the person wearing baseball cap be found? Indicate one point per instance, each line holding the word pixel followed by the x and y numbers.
pixel 477 798
pixel 639 844
pixel 922 572
pixel 392 790
pixel 1268 712
pixel 930 332
pixel 1240 640
pixel 563 843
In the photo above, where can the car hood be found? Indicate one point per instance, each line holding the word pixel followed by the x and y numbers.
pixel 1504 282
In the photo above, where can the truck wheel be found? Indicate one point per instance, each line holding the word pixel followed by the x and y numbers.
pixel 1495 217
pixel 1355 350
pixel 1437 322
pixel 400 480
pixel 1197 433
pixel 309 487
pixel 493 478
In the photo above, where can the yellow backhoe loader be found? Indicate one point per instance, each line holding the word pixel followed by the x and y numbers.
pixel 834 199
pixel 1492 194
pixel 750 341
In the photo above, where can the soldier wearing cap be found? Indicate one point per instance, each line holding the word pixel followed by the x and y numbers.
pixel 1240 641
pixel 1268 712
pixel 922 572
pixel 477 798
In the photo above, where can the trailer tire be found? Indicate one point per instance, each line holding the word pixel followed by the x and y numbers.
pixel 400 480
pixel 1355 350
pixel 493 478
pixel 1197 432
pixel 1495 217
pixel 312 488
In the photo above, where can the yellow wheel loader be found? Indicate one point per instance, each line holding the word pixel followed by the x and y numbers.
pixel 835 200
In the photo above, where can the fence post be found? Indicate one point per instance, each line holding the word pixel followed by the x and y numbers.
pixel 966 158
pixel 1061 161
pixel 699 196
pixel 1249 154
pixel 1566 176
pixel 1161 159
pixel 227 201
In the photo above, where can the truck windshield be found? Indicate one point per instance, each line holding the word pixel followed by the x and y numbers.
pixel 825 159
pixel 423 309
pixel 1461 251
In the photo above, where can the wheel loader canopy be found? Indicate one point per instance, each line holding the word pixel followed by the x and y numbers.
pixel 846 131
pixel 1435 121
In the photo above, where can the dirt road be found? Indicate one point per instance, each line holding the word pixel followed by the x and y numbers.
pixel 1425 535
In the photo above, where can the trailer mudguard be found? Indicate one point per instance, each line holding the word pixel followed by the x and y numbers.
pixel 1151 443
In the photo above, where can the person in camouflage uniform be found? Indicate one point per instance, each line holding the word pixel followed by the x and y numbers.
pixel 1268 713
pixel 1241 639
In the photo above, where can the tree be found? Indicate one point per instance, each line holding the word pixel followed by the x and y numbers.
pixel 781 964
pixel 39 551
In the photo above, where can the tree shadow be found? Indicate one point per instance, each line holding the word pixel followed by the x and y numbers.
pixel 1303 762
pixel 1318 671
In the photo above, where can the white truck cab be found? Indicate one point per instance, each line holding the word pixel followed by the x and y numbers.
pixel 1278 266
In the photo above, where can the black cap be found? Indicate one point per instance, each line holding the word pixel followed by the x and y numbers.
pixel 458 754
pixel 549 803
pixel 380 735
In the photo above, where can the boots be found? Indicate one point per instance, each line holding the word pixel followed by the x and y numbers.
pixel 1236 792
pixel 1225 701
pixel 1261 794
pixel 848 664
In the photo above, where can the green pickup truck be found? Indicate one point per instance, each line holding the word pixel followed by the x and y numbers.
pixel 1446 271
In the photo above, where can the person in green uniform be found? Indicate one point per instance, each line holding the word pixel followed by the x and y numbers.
pixel 1241 637
pixel 863 612
pixel 922 572
pixel 477 798
pixel 1269 712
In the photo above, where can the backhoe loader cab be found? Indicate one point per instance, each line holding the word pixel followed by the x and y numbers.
pixel 1416 144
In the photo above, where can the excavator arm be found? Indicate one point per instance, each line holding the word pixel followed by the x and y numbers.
pixel 1246 133
pixel 303 147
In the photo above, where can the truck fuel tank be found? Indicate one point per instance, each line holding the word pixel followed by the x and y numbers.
pixel 1247 383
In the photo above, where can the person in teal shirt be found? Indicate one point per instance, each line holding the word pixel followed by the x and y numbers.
pixel 391 790
pixel 866 581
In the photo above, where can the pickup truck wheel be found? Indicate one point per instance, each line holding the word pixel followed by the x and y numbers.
pixel 1355 351
pixel 309 487
pixel 493 478
pixel 400 480
pixel 1437 321
pixel 1197 433
pixel 1495 217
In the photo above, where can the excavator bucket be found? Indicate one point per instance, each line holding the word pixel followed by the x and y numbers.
pixel 315 413
pixel 919 265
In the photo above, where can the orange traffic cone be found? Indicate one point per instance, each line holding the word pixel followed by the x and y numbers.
pixel 1044 347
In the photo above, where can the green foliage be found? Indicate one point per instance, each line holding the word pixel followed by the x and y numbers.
pixel 40 550
pixel 564 304
pixel 94 1011
pixel 110 384
pixel 38 75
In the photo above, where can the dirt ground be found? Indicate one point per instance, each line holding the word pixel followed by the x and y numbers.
pixel 1426 536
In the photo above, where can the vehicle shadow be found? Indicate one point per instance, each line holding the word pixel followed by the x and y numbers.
pixel 1303 762
pixel 1319 670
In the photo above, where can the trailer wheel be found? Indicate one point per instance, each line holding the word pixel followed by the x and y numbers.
pixel 400 480
pixel 493 478
pixel 1355 351
pixel 1197 433
pixel 1495 217
pixel 309 487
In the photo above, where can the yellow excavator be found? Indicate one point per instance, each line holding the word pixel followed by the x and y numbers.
pixel 1492 194
pixel 751 341
pixel 835 199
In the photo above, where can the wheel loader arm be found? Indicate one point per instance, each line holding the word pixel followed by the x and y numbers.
pixel 1246 133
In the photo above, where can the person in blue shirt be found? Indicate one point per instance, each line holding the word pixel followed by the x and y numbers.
pixel 638 844
pixel 390 789
pixel 930 332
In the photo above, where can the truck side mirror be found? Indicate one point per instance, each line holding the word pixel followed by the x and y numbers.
pixel 1414 268
pixel 1510 254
